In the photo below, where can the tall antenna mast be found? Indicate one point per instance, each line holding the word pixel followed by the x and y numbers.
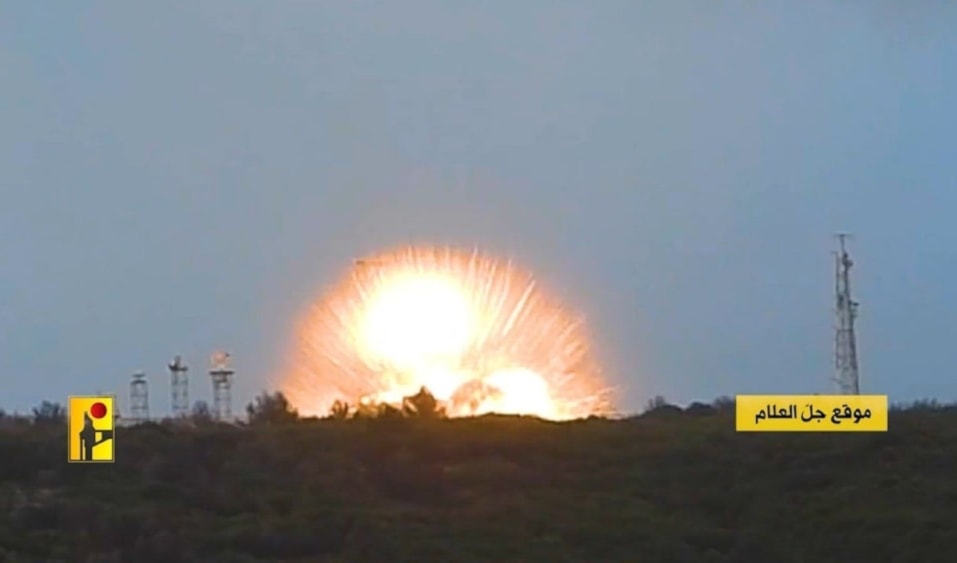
pixel 179 387
pixel 845 340
pixel 139 398
pixel 222 376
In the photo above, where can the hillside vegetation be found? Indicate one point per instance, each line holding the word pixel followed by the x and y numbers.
pixel 671 485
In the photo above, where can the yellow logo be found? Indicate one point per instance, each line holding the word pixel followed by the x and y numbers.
pixel 811 413
pixel 91 430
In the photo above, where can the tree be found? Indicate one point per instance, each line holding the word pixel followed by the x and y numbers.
pixel 423 405
pixel 656 403
pixel 700 409
pixel 201 414
pixel 49 413
pixel 659 406
pixel 385 411
pixel 339 410
pixel 724 404
pixel 366 410
pixel 271 409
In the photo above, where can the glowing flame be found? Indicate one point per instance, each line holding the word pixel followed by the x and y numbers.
pixel 475 331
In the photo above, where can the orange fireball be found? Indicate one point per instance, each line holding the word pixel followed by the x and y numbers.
pixel 476 331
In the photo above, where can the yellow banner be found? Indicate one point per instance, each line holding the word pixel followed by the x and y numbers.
pixel 811 413
pixel 91 430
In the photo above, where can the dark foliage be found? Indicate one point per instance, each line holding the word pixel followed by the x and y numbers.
pixel 49 413
pixel 201 413
pixel 271 408
pixel 679 487
pixel 423 405
pixel 339 410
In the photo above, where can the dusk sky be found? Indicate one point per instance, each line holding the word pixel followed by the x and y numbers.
pixel 180 177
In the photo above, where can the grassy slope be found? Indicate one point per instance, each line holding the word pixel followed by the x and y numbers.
pixel 667 488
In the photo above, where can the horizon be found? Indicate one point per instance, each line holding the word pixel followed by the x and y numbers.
pixel 652 405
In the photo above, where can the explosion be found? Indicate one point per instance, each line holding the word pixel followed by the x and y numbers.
pixel 475 331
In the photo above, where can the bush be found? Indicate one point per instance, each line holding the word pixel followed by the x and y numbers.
pixel 406 487
pixel 271 409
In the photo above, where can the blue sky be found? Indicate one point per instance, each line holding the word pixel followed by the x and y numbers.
pixel 178 177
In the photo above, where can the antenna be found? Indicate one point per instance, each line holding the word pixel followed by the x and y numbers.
pixel 139 398
pixel 845 341
pixel 222 376
pixel 179 387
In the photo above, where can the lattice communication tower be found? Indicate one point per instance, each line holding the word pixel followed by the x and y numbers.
pixel 222 375
pixel 139 398
pixel 179 387
pixel 847 375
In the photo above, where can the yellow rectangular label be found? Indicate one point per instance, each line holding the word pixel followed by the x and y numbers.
pixel 91 430
pixel 811 413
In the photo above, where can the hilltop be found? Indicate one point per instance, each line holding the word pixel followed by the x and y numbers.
pixel 671 485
